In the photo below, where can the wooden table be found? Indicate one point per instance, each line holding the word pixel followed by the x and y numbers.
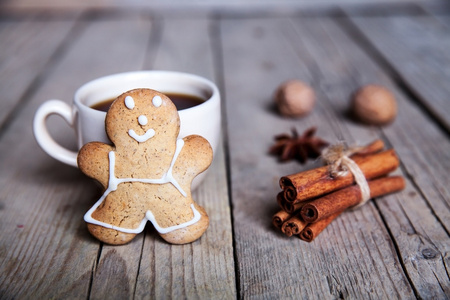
pixel 395 246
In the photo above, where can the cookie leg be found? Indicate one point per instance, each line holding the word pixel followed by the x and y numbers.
pixel 110 236
pixel 189 233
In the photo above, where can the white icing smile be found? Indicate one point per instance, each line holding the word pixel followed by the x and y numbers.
pixel 142 138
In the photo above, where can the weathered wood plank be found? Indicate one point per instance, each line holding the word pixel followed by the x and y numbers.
pixel 184 45
pixel 417 48
pixel 176 5
pixel 422 210
pixel 125 42
pixel 355 257
pixel 45 247
pixel 438 9
pixel 25 48
pixel 205 268
pixel 117 269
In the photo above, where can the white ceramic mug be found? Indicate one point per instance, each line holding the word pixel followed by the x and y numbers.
pixel 89 124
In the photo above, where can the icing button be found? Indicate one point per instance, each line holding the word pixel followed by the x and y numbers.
pixel 129 102
pixel 142 120
pixel 157 101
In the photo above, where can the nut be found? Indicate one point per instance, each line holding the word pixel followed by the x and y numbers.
pixel 295 98
pixel 374 105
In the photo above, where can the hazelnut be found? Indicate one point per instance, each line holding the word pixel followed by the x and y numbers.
pixel 295 98
pixel 374 105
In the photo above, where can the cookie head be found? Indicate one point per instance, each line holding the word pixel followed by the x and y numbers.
pixel 142 116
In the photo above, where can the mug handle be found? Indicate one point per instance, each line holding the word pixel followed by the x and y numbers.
pixel 43 137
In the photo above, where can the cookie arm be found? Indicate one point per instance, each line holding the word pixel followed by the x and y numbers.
pixel 94 162
pixel 195 157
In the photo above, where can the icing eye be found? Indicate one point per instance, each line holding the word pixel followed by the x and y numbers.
pixel 142 120
pixel 129 102
pixel 157 101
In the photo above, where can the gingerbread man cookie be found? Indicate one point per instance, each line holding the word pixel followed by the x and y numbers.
pixel 147 174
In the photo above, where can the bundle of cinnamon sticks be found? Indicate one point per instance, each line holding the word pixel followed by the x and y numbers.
pixel 310 200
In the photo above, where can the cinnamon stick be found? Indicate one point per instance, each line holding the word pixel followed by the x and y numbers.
pixel 293 226
pixel 282 202
pixel 316 182
pixel 312 230
pixel 372 148
pixel 287 206
pixel 279 218
pixel 338 201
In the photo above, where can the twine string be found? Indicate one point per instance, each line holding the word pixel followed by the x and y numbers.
pixel 338 159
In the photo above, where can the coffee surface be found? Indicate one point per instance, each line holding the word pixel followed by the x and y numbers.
pixel 181 101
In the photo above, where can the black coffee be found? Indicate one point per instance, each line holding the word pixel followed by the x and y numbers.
pixel 181 101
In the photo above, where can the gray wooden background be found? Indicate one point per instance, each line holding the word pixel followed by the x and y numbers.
pixel 395 247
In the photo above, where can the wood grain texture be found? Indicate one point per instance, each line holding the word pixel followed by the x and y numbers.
pixel 356 247
pixel 115 274
pixel 203 269
pixel 393 247
pixel 420 145
pixel 155 269
pixel 25 49
pixel 177 6
pixel 421 63
pixel 184 45
pixel 121 46
pixel 45 247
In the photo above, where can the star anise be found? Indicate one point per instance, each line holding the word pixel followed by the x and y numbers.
pixel 298 147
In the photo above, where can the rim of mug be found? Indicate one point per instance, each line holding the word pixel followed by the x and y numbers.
pixel 209 88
